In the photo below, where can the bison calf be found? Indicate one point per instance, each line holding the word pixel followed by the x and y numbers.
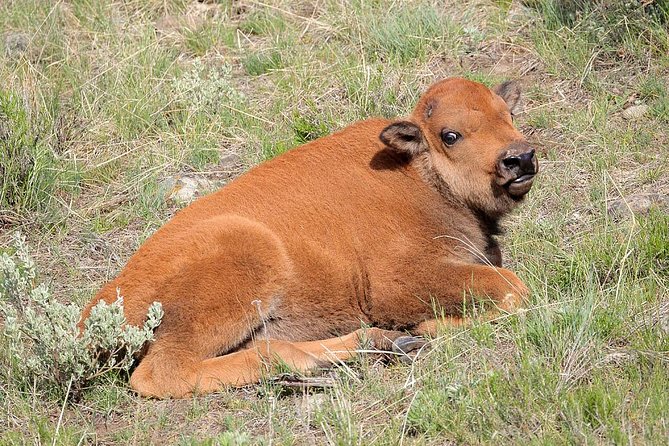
pixel 383 224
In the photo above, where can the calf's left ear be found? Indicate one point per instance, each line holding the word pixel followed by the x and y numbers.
pixel 510 92
pixel 404 137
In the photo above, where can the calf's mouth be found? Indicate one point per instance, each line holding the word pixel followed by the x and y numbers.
pixel 520 186
pixel 516 170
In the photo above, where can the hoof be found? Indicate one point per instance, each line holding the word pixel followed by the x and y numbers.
pixel 407 348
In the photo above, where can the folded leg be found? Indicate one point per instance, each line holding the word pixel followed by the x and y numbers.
pixel 172 370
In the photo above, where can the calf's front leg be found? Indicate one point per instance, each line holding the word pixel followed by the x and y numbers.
pixel 443 288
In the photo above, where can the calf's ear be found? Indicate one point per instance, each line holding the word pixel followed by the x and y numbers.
pixel 404 137
pixel 510 92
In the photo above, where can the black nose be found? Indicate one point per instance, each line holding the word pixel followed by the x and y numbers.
pixel 520 164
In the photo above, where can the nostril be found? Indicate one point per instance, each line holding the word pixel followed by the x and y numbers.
pixel 511 162
pixel 527 161
pixel 527 156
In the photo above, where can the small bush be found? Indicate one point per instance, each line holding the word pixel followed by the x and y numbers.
pixel 205 88
pixel 45 349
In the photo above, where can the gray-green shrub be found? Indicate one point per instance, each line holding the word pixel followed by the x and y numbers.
pixel 45 347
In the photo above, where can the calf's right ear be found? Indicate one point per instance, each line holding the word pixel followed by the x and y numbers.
pixel 404 137
pixel 510 92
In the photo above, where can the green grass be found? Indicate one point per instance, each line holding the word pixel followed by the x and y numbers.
pixel 406 34
pixel 102 101
pixel 256 64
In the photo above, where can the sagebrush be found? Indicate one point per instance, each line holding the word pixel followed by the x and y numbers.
pixel 46 349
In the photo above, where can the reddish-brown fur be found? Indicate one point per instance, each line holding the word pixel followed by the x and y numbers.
pixel 290 260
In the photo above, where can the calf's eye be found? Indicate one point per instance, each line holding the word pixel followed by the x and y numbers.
pixel 449 137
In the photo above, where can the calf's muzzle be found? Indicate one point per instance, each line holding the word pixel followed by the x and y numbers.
pixel 516 169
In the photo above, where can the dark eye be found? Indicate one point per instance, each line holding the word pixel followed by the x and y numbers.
pixel 449 137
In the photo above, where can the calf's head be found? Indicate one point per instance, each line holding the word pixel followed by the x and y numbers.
pixel 461 136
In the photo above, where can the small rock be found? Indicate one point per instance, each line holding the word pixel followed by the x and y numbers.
pixel 205 9
pixel 623 208
pixel 231 161
pixel 167 185
pixel 16 44
pixel 311 403
pixel 167 24
pixel 575 217
pixel 635 112
pixel 185 189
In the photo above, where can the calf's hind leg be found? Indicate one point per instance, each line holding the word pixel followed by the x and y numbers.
pixel 231 276
pixel 175 371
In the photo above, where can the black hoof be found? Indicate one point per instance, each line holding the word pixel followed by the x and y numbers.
pixel 407 348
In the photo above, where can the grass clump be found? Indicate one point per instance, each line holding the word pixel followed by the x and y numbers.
pixel 45 348
pixel 407 34
pixel 654 92
pixel 569 12
pixel 230 438
pixel 262 23
pixel 200 40
pixel 256 64
pixel 618 29
pixel 308 128
pixel 27 165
